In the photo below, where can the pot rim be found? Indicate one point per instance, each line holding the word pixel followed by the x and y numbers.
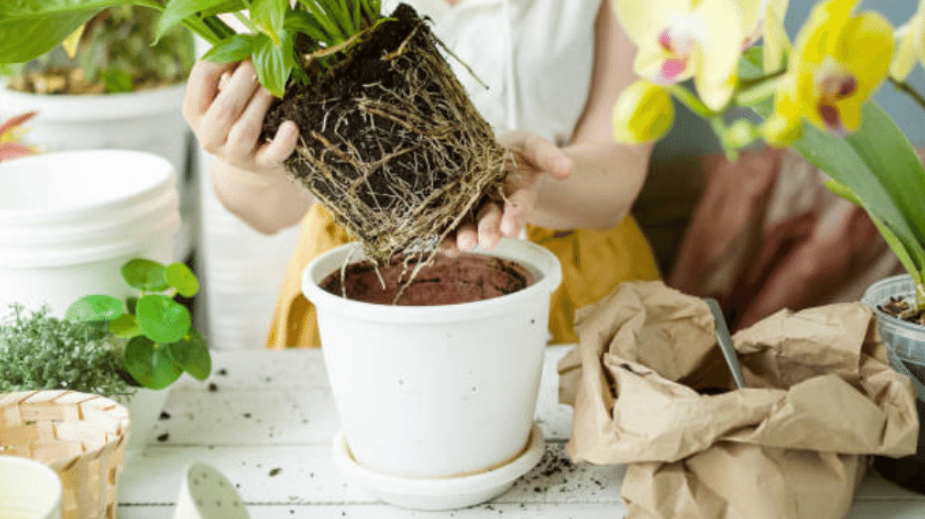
pixel 874 303
pixel 542 263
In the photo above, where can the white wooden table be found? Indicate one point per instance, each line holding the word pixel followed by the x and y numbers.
pixel 266 419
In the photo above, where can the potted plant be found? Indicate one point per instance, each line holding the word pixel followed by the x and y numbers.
pixel 436 380
pixel 110 89
pixel 130 351
pixel 813 96
pixel 383 73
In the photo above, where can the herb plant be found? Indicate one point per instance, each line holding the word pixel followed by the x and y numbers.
pixel 112 54
pixel 160 342
pixel 42 352
pixel 284 39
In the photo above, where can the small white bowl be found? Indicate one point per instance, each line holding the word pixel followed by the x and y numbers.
pixel 440 493
pixel 205 493
pixel 28 489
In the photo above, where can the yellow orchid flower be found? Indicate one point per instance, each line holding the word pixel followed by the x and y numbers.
pixel 680 39
pixel 911 45
pixel 838 62
pixel 643 113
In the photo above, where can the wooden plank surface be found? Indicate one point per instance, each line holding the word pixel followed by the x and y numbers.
pixel 266 418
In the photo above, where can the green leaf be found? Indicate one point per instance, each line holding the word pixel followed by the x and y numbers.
pixel 179 276
pixel 30 28
pixel 130 303
pixel 227 6
pixel 302 22
pixel 334 34
pixel 116 81
pixel 124 326
pixel 177 10
pixel 268 16
pixel 150 364
pixel 269 61
pixel 162 319
pixel 192 354
pixel 94 308
pixel 230 50
pixel 145 274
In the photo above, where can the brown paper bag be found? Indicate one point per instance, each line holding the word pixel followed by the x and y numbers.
pixel 820 396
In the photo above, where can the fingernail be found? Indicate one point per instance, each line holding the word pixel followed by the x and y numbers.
pixel 467 243
pixel 223 80
pixel 562 164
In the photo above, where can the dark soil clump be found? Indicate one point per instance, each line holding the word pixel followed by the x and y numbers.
pixel 390 142
pixel 468 278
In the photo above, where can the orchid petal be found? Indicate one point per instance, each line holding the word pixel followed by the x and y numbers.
pixel 911 46
pixel 717 59
pixel 776 42
pixel 644 20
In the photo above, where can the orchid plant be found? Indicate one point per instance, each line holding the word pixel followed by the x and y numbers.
pixel 812 94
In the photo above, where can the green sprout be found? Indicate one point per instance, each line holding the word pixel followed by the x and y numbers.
pixel 161 342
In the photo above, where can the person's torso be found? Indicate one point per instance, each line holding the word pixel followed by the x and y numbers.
pixel 532 59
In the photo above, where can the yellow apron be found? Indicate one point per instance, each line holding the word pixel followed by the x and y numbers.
pixel 593 263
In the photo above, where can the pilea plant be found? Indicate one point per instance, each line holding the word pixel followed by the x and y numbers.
pixel 160 343
pixel 390 141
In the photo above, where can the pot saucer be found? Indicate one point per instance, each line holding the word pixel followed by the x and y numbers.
pixel 439 493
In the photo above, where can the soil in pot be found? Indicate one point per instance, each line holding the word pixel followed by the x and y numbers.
pixel 444 281
pixel 390 142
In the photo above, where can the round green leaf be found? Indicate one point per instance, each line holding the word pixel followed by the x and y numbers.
pixel 94 308
pixel 179 276
pixel 124 326
pixel 192 354
pixel 150 364
pixel 145 274
pixel 162 319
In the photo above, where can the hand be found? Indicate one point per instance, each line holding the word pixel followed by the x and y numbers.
pixel 533 157
pixel 225 106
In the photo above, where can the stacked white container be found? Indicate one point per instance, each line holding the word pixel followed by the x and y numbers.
pixel 70 220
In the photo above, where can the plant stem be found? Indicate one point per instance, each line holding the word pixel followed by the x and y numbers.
pixel 759 91
pixel 908 89
pixel 196 25
pixel 690 100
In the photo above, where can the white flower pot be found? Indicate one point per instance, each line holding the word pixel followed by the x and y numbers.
pixel 149 121
pixel 144 410
pixel 28 489
pixel 70 220
pixel 436 391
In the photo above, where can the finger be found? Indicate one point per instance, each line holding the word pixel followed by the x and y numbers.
pixel 202 87
pixel 242 139
pixel 539 153
pixel 517 209
pixel 275 152
pixel 466 237
pixel 447 246
pixel 489 224
pixel 228 106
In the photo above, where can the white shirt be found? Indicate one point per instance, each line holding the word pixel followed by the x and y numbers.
pixel 536 57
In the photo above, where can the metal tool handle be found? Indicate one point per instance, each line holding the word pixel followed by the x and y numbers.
pixel 725 342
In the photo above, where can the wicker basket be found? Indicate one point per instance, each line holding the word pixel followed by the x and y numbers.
pixel 81 436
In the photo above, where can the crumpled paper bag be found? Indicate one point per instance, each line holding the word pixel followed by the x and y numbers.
pixel 820 396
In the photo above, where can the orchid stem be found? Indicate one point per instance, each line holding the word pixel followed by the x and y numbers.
pixel 909 90
pixel 690 100
pixel 758 91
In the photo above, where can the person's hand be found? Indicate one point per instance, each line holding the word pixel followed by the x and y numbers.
pixel 533 157
pixel 225 106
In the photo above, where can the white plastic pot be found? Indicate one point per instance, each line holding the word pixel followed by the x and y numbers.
pixel 150 121
pixel 28 489
pixel 144 410
pixel 70 220
pixel 436 391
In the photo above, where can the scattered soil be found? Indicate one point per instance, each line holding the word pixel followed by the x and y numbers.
pixel 444 281
pixel 390 142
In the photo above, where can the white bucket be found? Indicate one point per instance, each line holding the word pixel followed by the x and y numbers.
pixel 28 489
pixel 148 120
pixel 144 409
pixel 436 391
pixel 70 220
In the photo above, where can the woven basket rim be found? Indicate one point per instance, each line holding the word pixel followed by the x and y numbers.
pixel 115 411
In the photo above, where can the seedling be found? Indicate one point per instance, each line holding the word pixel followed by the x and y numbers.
pixel 160 343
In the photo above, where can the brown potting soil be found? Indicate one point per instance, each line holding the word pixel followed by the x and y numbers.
pixel 443 281
pixel 390 142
